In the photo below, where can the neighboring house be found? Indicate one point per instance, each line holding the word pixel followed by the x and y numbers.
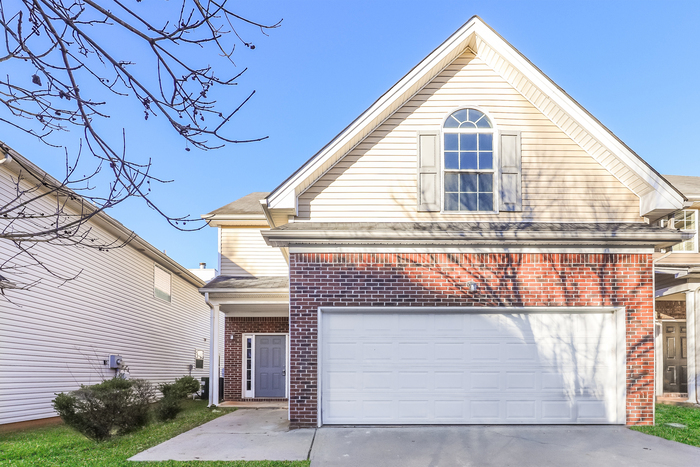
pixel 678 300
pixel 133 301
pixel 474 248
pixel 204 273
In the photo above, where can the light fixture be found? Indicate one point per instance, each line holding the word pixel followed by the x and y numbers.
pixel 472 286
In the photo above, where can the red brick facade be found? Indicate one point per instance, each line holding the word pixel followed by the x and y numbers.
pixel 439 279
pixel 233 349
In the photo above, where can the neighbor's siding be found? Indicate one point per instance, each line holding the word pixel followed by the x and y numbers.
pixel 377 180
pixel 244 252
pixel 54 336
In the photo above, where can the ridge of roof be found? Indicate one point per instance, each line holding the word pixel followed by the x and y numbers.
pixel 349 137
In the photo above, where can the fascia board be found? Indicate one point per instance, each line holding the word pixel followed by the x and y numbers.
pixel 330 235
pixel 284 196
pixel 671 196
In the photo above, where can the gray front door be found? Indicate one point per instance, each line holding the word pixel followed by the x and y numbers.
pixel 675 357
pixel 270 366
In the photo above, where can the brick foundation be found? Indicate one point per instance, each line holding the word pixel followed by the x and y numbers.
pixel 439 279
pixel 233 349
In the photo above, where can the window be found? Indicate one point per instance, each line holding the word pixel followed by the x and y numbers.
pixel 468 162
pixel 199 358
pixel 687 221
pixel 249 364
pixel 161 283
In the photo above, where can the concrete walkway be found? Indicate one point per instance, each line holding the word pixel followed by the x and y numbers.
pixel 522 446
pixel 246 434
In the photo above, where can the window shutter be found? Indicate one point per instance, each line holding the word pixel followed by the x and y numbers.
pixel 429 171
pixel 511 192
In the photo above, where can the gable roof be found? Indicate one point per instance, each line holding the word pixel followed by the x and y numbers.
pixel 686 184
pixel 249 204
pixel 657 196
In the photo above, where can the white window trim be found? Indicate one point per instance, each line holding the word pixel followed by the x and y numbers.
pixel 496 160
pixel 696 231
pixel 244 391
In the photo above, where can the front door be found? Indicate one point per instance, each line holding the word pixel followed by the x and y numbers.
pixel 675 357
pixel 270 366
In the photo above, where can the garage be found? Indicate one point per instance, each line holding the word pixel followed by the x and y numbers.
pixel 471 365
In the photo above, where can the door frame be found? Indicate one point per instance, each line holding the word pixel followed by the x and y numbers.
pixel 619 312
pixel 244 340
pixel 662 348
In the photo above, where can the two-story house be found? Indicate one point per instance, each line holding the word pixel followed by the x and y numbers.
pixel 474 248
pixel 678 299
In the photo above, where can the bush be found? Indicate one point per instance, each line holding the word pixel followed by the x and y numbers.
pixel 168 408
pixel 115 406
pixel 173 393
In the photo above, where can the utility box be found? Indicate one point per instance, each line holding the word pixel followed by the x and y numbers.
pixel 115 362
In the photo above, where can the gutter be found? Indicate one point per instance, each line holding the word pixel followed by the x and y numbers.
pixel 282 238
pixel 103 219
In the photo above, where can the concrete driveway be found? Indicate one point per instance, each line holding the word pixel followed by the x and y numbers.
pixel 522 446
pixel 263 434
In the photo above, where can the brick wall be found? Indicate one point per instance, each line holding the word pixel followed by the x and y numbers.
pixel 674 309
pixel 351 279
pixel 233 348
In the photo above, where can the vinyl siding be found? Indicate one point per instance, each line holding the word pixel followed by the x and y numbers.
pixel 54 336
pixel 378 179
pixel 244 251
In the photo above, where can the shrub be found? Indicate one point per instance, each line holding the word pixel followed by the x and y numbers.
pixel 173 393
pixel 168 408
pixel 115 406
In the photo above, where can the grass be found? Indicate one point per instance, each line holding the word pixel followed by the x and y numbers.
pixel 689 416
pixel 62 446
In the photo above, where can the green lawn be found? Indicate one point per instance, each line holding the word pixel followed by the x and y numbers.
pixel 689 416
pixel 62 446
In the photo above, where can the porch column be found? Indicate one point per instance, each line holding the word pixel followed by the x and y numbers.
pixel 214 355
pixel 692 316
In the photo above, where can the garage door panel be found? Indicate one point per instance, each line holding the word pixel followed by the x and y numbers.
pixel 468 368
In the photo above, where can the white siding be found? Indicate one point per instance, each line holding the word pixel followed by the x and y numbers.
pixel 53 337
pixel 377 180
pixel 244 251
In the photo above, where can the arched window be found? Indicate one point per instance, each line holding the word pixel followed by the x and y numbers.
pixel 468 162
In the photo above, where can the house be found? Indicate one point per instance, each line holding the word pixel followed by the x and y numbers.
pixel 134 302
pixel 474 248
pixel 677 278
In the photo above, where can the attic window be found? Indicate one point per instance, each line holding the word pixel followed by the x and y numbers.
pixel 161 283
pixel 468 177
pixel 687 221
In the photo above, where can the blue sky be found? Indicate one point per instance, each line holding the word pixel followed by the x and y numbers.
pixel 633 64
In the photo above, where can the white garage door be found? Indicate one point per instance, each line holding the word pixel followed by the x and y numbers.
pixel 405 367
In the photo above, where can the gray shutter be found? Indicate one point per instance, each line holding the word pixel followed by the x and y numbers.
pixel 511 193
pixel 429 171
